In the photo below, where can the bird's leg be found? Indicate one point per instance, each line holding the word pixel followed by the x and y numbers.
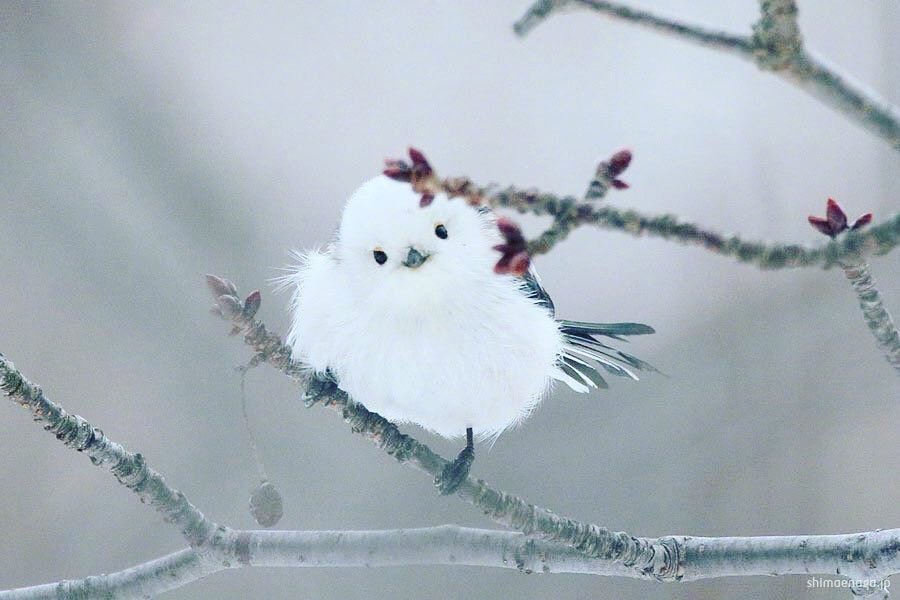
pixel 456 472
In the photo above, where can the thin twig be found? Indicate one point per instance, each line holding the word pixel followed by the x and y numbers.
pixel 876 315
pixel 776 46
pixel 726 42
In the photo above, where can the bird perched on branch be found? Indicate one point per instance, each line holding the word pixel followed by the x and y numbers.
pixel 406 312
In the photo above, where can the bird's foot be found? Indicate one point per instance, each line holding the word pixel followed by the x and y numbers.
pixel 457 471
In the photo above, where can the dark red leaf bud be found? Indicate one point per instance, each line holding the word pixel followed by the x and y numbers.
pixel 519 262
pixel 397 170
pixel 419 163
pixel 862 221
pixel 251 304
pixel 822 225
pixel 619 161
pixel 619 184
pixel 510 231
pixel 836 217
pixel 426 200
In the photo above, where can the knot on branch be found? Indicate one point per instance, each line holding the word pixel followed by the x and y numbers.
pixel 777 43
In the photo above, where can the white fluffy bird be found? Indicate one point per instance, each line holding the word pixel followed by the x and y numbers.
pixel 405 312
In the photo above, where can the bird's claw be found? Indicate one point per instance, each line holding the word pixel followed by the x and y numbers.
pixel 455 472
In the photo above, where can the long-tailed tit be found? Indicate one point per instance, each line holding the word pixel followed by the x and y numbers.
pixel 404 310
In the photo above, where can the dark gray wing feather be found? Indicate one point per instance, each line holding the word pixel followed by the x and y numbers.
pixel 582 348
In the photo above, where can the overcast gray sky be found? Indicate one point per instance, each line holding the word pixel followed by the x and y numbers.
pixel 142 145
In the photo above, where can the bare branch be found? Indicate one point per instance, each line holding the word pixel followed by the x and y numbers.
pixel 569 213
pixel 879 239
pixel 726 42
pixel 141 581
pixel 130 469
pixel 867 558
pixel 776 45
pixel 666 558
pixel 876 315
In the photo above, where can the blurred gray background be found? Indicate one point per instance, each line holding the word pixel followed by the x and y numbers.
pixel 143 145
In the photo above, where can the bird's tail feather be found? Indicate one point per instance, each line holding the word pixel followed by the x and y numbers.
pixel 582 345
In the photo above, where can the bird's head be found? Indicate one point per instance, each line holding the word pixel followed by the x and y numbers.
pixel 401 256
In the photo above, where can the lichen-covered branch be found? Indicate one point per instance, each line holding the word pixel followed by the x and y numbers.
pixel 703 36
pixel 876 315
pixel 442 545
pixel 867 558
pixel 569 213
pixel 879 239
pixel 776 45
pixel 567 545
pixel 656 560
pixel 662 558
pixel 130 469
pixel 141 581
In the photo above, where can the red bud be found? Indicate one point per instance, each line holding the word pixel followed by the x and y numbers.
pixel 426 200
pixel 836 217
pixel 419 162
pixel 251 304
pixel 510 231
pixel 822 225
pixel 518 264
pixel 397 170
pixel 619 161
pixel 862 221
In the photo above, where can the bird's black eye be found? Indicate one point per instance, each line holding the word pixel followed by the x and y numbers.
pixel 441 232
pixel 380 257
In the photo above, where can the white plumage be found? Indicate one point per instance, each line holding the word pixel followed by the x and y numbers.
pixel 445 343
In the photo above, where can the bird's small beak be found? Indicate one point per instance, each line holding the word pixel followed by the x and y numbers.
pixel 414 259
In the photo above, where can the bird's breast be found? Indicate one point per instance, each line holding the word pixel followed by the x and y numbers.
pixel 482 365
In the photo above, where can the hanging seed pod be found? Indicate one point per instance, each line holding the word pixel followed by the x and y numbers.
pixel 266 505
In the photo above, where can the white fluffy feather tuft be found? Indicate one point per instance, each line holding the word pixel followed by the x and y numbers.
pixel 447 345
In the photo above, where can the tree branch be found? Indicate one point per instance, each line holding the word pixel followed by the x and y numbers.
pixel 141 581
pixel 130 469
pixel 876 315
pixel 654 560
pixel 569 213
pixel 667 558
pixel 776 45
pixel 867 557
pixel 725 42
